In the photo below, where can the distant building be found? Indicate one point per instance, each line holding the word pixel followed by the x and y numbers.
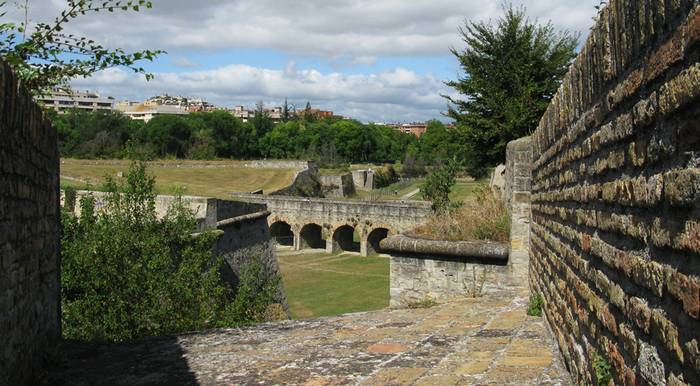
pixel 190 104
pixel 198 105
pixel 316 113
pixel 61 101
pixel 146 112
pixel 415 128
pixel 274 113
pixel 242 113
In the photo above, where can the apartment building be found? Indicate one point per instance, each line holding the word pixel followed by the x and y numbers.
pixel 62 101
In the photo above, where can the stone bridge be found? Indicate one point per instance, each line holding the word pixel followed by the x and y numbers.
pixel 336 225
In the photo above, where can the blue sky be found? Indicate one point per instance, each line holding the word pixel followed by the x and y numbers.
pixel 373 60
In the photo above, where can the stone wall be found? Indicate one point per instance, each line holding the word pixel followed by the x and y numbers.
pixel 615 243
pixel 280 164
pixel 29 243
pixel 363 179
pixel 422 270
pixel 306 183
pixel 516 194
pixel 338 186
pixel 207 211
pixel 246 240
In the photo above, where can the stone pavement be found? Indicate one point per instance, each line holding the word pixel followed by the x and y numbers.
pixel 488 341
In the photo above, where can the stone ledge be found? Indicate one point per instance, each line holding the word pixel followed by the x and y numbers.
pixel 481 249
pixel 245 217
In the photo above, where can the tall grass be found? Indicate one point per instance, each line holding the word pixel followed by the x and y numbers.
pixel 483 217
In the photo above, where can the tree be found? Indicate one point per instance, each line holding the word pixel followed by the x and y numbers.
pixel 47 57
pixel 287 111
pixel 438 185
pixel 511 71
pixel 261 120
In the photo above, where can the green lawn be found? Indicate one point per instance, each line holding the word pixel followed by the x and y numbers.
pixel 196 178
pixel 319 284
pixel 463 190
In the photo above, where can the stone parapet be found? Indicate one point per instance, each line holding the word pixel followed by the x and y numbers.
pixel 429 270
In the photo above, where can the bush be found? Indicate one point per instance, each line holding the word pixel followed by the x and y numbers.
pixel 125 273
pixel 438 185
pixel 482 218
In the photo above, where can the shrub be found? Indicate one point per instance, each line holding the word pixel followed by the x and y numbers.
pixel 424 303
pixel 483 217
pixel 535 306
pixel 125 273
pixel 438 185
pixel 603 370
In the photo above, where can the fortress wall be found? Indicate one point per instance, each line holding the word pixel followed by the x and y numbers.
pixel 615 236
pixel 280 164
pixel 338 186
pixel 29 234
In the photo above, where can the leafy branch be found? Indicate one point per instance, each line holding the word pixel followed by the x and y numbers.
pixel 46 57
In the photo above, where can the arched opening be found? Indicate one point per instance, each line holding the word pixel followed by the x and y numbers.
pixel 282 233
pixel 345 238
pixel 311 236
pixel 374 238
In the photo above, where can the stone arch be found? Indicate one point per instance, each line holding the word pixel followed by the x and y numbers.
pixel 281 232
pixel 311 236
pixel 344 239
pixel 373 239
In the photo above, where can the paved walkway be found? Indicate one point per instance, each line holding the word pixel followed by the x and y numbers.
pixel 487 341
pixel 410 194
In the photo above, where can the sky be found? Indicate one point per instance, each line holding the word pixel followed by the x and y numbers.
pixel 372 60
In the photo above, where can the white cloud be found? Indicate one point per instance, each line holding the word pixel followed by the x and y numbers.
pixel 399 94
pixel 342 33
pixel 181 61
pixel 355 31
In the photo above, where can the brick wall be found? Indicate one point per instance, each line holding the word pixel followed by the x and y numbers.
pixel 29 285
pixel 615 242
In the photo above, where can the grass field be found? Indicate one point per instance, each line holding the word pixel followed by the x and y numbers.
pixel 319 284
pixel 197 178
pixel 463 190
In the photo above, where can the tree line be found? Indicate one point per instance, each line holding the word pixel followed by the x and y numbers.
pixel 218 134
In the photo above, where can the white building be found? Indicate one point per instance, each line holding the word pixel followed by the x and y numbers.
pixel 143 112
pixel 61 101
pixel 242 113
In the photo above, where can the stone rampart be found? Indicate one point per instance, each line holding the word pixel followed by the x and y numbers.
pixel 338 186
pixel 615 238
pixel 29 238
pixel 280 164
pixel 363 179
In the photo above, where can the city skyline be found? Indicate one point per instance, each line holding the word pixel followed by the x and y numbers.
pixel 381 61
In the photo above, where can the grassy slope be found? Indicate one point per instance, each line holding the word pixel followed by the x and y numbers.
pixel 211 178
pixel 318 284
